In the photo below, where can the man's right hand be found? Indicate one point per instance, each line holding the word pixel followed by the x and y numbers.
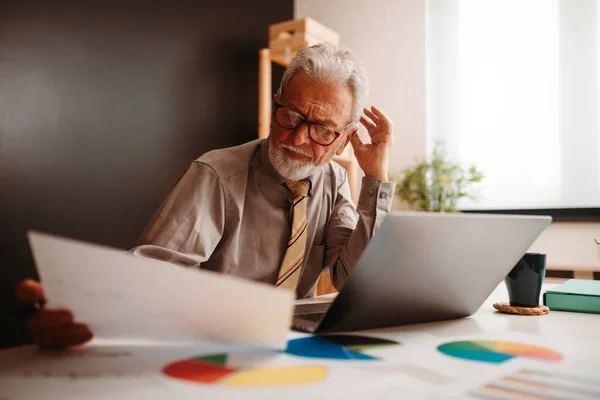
pixel 50 328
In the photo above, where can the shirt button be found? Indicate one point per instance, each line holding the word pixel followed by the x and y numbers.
pixel 382 195
pixel 371 192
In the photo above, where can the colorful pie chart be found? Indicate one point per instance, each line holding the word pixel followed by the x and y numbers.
pixel 496 352
pixel 217 369
pixel 336 347
pixel 244 370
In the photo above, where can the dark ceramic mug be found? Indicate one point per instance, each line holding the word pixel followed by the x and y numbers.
pixel 524 282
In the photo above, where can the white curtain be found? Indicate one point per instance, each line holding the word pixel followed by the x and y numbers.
pixel 513 88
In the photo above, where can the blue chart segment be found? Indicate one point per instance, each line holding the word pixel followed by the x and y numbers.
pixel 336 347
pixel 315 347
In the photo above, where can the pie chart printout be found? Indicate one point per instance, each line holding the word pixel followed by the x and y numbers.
pixel 245 370
pixel 218 369
pixel 495 352
pixel 337 347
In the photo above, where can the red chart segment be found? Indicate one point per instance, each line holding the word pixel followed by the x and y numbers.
pixel 196 370
pixel 215 369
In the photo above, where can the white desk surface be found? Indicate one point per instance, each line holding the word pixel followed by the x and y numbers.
pixel 556 324
pixel 414 369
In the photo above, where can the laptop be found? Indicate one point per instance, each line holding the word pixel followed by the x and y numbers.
pixel 424 267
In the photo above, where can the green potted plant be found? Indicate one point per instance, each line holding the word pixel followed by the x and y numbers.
pixel 437 184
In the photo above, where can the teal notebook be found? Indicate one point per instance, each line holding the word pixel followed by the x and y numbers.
pixel 578 295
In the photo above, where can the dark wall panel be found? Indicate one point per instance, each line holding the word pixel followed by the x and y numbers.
pixel 102 106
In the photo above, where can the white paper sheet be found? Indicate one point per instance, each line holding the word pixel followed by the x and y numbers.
pixel 107 369
pixel 461 375
pixel 413 368
pixel 544 382
pixel 120 295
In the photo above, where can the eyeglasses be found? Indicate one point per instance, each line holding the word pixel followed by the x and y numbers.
pixel 320 134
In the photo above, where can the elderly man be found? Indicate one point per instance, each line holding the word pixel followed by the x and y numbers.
pixel 275 210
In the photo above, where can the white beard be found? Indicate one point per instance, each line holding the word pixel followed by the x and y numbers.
pixel 289 168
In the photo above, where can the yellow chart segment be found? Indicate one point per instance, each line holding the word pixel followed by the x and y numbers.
pixel 276 376
pixel 523 350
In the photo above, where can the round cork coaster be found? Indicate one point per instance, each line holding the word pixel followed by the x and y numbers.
pixel 508 309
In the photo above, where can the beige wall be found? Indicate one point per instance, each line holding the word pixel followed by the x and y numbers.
pixel 389 37
pixel 570 245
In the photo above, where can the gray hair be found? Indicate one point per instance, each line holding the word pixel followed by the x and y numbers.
pixel 330 64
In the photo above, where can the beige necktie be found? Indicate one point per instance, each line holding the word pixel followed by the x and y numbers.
pixel 291 266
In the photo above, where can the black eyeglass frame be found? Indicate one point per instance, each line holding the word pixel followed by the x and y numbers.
pixel 309 123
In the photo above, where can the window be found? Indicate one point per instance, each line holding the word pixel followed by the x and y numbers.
pixel 513 88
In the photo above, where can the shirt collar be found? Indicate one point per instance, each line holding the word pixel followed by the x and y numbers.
pixel 271 177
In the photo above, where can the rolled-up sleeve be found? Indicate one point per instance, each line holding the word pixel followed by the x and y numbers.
pixel 350 229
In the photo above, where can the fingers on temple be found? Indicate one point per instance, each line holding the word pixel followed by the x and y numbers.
pixel 367 122
pixel 371 115
pixel 382 116
pixel 355 140
pixel 30 291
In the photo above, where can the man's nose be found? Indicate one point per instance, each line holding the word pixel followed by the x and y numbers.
pixel 301 135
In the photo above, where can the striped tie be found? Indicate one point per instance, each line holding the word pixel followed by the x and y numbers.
pixel 291 266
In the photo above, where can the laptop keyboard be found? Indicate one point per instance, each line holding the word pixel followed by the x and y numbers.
pixel 318 308
pixel 312 317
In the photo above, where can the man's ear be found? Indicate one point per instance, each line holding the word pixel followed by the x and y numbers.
pixel 346 139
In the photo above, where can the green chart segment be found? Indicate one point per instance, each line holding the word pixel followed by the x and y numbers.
pixel 496 352
pixel 336 347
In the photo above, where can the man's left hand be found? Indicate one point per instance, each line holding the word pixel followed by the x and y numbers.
pixel 373 158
